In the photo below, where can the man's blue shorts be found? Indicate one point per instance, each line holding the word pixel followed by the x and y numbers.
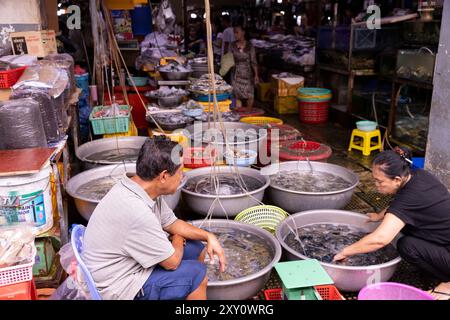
pixel 177 284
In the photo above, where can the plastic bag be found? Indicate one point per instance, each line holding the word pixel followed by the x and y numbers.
pixel 16 245
pixel 20 60
pixel 48 111
pixel 74 287
pixel 21 125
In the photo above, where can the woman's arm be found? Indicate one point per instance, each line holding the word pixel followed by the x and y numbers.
pixel 375 217
pixel 381 237
pixel 254 63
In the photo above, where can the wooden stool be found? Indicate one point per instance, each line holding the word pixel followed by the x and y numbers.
pixel 366 145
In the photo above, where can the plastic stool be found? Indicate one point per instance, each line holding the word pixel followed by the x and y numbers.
pixel 367 146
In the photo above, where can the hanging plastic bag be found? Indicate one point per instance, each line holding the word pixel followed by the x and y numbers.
pixel 74 287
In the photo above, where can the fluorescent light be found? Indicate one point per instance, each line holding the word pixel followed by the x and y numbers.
pixel 204 16
pixel 282 12
pixel 225 13
pixel 60 12
pixel 193 16
pixel 279 1
pixel 59 5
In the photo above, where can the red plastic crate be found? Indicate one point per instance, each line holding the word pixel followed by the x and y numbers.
pixel 19 291
pixel 326 292
pixel 313 112
pixel 10 77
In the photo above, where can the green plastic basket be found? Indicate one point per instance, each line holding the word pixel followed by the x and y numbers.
pixel 266 217
pixel 110 125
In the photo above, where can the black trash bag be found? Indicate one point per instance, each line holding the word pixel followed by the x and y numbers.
pixel 21 125
pixel 48 111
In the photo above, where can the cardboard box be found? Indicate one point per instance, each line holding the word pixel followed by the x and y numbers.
pixel 36 43
pixel 264 92
pixel 286 105
pixel 45 254
pixel 286 86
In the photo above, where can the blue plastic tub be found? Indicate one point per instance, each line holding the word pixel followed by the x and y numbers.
pixel 419 162
pixel 366 125
pixel 141 20
pixel 220 97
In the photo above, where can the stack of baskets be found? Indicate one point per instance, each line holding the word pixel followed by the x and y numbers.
pixel 313 104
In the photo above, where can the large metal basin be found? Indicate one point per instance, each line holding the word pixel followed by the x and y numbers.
pixel 173 76
pixel 95 146
pixel 229 206
pixel 86 206
pixel 239 136
pixel 248 286
pixel 346 278
pixel 296 201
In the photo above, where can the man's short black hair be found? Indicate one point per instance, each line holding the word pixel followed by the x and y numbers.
pixel 155 156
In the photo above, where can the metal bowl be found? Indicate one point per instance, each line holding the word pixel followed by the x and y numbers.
pixel 296 201
pixel 170 101
pixel 248 286
pixel 89 148
pixel 229 206
pixel 257 136
pixel 86 206
pixel 173 76
pixel 346 278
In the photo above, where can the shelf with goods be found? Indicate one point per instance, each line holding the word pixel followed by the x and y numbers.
pixel 408 122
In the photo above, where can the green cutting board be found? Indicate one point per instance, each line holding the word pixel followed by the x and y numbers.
pixel 302 274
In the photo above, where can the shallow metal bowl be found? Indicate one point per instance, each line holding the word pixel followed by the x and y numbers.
pixel 296 201
pixel 95 146
pixel 248 286
pixel 230 205
pixel 346 278
pixel 172 76
pixel 170 101
pixel 85 206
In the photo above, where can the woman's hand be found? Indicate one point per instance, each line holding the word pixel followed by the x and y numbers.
pixel 256 79
pixel 340 256
pixel 214 248
pixel 374 217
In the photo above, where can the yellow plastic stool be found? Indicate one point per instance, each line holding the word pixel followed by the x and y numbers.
pixel 366 145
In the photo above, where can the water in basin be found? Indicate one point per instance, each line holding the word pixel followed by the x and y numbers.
pixel 305 181
pixel 227 184
pixel 324 241
pixel 98 188
pixel 115 155
pixel 246 254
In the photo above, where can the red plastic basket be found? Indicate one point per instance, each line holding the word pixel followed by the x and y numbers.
pixel 197 162
pixel 328 292
pixel 313 112
pixel 9 78
pixel 300 150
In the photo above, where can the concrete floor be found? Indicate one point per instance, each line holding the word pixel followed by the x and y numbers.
pixel 366 199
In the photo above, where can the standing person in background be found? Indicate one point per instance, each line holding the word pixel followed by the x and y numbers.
pixel 217 37
pixel 228 34
pixel 245 72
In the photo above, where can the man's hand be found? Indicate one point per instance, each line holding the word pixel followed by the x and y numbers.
pixel 214 248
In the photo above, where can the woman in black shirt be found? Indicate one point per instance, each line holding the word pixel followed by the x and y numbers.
pixel 420 210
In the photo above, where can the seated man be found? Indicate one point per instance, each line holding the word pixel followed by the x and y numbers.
pixel 126 247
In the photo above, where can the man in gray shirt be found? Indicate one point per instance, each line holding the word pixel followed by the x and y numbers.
pixel 126 244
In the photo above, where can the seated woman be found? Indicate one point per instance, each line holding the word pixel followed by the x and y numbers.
pixel 420 210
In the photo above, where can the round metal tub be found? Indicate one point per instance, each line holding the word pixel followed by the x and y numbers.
pixel 173 76
pixel 239 136
pixel 248 286
pixel 346 278
pixel 296 201
pixel 230 205
pixel 85 206
pixel 95 146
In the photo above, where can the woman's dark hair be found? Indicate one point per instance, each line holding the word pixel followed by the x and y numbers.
pixel 155 156
pixel 395 163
